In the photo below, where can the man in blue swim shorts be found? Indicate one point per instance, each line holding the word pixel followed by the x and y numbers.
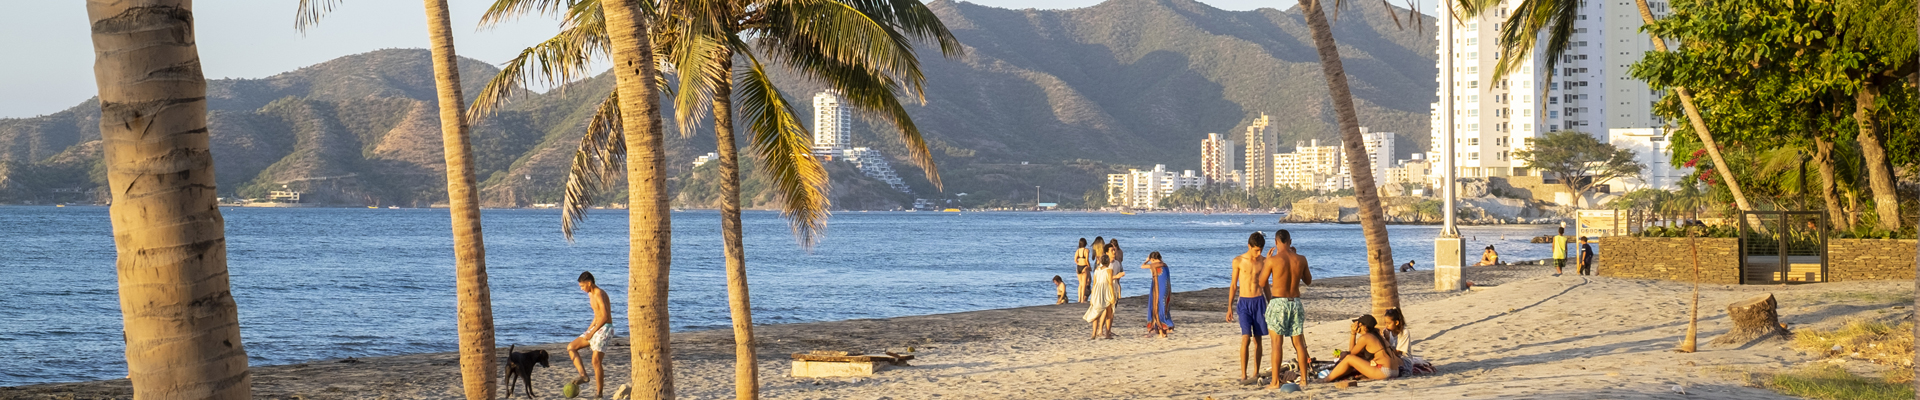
pixel 1247 300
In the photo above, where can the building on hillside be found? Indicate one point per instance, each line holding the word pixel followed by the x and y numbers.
pixel 1590 91
pixel 1380 149
pixel 1310 167
pixel 1412 171
pixel 1139 189
pixel 1260 146
pixel 873 164
pixel 832 125
pixel 1650 148
pixel 1216 158
pixel 703 160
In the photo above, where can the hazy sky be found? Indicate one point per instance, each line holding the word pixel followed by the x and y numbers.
pixel 49 56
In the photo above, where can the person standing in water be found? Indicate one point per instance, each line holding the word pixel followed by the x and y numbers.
pixel 1286 317
pixel 1082 259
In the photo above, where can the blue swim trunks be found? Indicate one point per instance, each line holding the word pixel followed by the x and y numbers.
pixel 1252 313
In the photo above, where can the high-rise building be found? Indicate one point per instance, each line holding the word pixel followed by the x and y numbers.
pixel 1138 189
pixel 1590 91
pixel 1379 147
pixel 1650 148
pixel 1216 158
pixel 1310 167
pixel 871 163
pixel 1260 147
pixel 832 125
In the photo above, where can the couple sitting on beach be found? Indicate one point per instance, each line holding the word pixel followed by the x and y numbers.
pixel 1376 350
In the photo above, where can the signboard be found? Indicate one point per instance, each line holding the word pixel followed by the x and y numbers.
pixel 1599 223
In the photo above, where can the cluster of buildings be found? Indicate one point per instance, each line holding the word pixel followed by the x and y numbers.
pixel 1309 166
pixel 833 138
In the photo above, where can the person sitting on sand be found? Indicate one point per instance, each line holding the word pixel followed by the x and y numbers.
pixel 1059 290
pixel 599 332
pixel 1488 257
pixel 1247 301
pixel 1159 319
pixel 1082 260
pixel 1366 356
pixel 1408 267
pixel 1100 302
pixel 1393 332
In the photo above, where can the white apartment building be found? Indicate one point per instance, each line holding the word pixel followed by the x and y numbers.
pixel 1380 149
pixel 832 125
pixel 1143 189
pixel 703 160
pixel 1216 158
pixel 871 163
pixel 1310 167
pixel 1650 148
pixel 1590 91
pixel 1260 147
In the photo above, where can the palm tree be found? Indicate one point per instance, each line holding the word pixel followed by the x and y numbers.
pixel 1373 224
pixel 824 40
pixel 182 326
pixel 1519 37
pixel 475 311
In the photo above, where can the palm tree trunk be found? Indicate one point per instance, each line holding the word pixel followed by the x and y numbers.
pixel 746 373
pixel 477 359
pixel 1829 189
pixel 1693 118
pixel 181 324
pixel 1386 288
pixel 648 225
pixel 1886 203
pixel 1690 343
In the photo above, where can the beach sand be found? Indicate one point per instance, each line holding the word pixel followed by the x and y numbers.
pixel 1521 334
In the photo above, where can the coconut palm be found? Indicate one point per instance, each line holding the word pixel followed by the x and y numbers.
pixel 700 41
pixel 1555 19
pixel 1373 224
pixel 475 310
pixel 182 326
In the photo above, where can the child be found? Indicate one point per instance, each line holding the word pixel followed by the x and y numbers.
pixel 1059 290
pixel 1586 257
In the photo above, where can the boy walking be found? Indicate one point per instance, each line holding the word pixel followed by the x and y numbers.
pixel 1559 251
pixel 598 334
pixel 1586 257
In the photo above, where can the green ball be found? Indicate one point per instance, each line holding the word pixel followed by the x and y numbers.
pixel 572 390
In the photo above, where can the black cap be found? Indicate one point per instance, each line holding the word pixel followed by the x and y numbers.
pixel 1366 320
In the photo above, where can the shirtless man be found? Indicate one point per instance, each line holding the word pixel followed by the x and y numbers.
pixel 1285 316
pixel 1246 298
pixel 598 333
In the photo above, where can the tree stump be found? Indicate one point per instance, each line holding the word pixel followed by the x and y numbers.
pixel 1753 318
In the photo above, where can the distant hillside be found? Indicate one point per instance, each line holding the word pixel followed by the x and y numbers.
pixel 1074 94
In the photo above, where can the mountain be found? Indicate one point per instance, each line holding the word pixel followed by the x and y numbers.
pixel 1049 98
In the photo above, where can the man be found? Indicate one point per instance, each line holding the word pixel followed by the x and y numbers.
pixel 1559 251
pixel 1285 315
pixel 1586 257
pixel 1408 267
pixel 1246 299
pixel 598 334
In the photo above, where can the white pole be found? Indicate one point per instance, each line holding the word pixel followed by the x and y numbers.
pixel 1446 122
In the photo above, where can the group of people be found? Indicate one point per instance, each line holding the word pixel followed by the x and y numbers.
pixel 1264 297
pixel 1098 269
pixel 1584 259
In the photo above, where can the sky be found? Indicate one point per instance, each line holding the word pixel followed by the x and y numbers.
pixel 49 55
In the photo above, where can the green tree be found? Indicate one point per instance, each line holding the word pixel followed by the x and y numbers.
pixel 478 364
pixel 1581 161
pixel 182 326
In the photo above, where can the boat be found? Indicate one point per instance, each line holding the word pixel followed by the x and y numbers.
pixel 393 207
pixel 951 210
pixel 1126 213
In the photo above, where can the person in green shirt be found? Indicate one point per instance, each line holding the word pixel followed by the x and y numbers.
pixel 1559 251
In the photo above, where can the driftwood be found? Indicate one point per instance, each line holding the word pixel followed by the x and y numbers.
pixel 1753 319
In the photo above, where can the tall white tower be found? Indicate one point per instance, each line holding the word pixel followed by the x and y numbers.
pixel 832 125
pixel 1260 148
pixel 1216 158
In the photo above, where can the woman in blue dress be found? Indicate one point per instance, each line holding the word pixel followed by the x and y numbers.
pixel 1159 317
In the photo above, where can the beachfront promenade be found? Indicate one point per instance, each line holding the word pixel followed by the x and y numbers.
pixel 1527 335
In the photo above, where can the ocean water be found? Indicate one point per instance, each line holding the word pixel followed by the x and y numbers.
pixel 327 283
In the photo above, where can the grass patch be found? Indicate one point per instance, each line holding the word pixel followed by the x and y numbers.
pixel 1868 297
pixel 1829 382
pixel 1878 342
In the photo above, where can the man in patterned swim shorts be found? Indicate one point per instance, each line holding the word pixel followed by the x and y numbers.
pixel 1285 316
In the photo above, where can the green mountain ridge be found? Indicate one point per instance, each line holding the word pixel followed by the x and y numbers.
pixel 1074 94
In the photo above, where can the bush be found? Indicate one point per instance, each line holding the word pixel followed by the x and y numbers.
pixel 1712 231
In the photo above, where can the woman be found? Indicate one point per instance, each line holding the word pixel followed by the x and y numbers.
pixel 1081 268
pixel 1159 318
pixel 1366 356
pixel 1100 302
pixel 1113 251
pixel 1394 333
pixel 1488 257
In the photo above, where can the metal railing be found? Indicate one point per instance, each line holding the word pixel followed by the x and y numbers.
pixel 1779 247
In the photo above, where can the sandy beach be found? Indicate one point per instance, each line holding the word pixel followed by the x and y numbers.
pixel 1522 333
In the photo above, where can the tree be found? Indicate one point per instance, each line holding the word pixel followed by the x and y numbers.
pixel 700 40
pixel 478 364
pixel 1519 37
pixel 182 326
pixel 1373 224
pixel 1581 161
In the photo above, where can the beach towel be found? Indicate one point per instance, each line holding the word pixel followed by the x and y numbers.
pixel 1102 297
pixel 1162 289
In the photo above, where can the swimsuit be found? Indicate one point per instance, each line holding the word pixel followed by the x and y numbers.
pixel 1286 316
pixel 599 339
pixel 1162 287
pixel 1249 311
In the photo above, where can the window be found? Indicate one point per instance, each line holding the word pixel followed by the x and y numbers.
pixel 1473 156
pixel 1524 99
pixel 1474 25
pixel 1473 113
pixel 1550 128
pixel 1473 141
pixel 1553 114
pixel 1473 55
pixel 1473 70
pixel 1526 112
pixel 1498 113
pixel 1473 41
pixel 1473 84
pixel 1473 98
pixel 1473 127
pixel 1553 100
pixel 1500 141
pixel 1526 84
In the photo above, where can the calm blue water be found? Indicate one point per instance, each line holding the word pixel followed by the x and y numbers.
pixel 332 283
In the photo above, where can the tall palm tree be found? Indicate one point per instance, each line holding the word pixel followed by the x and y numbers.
pixel 1373 224
pixel 700 41
pixel 182 326
pixel 1555 18
pixel 475 310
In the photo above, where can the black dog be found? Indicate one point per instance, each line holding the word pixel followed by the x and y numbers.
pixel 520 365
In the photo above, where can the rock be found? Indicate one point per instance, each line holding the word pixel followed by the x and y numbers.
pixel 623 392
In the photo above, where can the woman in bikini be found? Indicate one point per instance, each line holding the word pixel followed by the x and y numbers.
pixel 1367 356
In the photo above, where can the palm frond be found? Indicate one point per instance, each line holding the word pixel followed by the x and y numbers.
pixel 785 150
pixel 837 31
pixel 308 12
pixel 696 63
pixel 564 58
pixel 506 10
pixel 1519 36
pixel 599 159
pixel 915 20
pixel 872 95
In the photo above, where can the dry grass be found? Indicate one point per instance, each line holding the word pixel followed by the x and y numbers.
pixel 1876 342
pixel 1830 382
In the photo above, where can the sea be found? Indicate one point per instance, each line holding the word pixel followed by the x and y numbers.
pixel 330 283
